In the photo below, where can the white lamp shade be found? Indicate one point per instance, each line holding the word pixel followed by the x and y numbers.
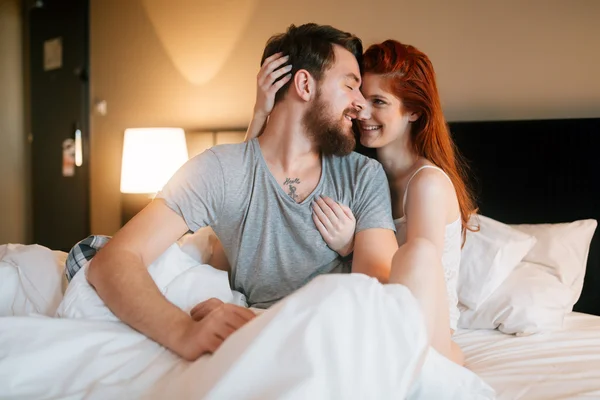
pixel 150 157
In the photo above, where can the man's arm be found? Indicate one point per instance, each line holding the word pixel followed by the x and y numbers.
pixel 373 252
pixel 375 239
pixel 120 275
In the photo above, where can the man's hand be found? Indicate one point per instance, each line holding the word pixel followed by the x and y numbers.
pixel 201 310
pixel 213 322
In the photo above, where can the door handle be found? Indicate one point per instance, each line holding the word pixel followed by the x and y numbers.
pixel 78 148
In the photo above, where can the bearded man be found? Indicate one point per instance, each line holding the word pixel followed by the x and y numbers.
pixel 257 197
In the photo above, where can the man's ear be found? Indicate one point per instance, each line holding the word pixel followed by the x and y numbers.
pixel 305 85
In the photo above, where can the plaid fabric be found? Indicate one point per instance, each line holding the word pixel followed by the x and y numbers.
pixel 82 253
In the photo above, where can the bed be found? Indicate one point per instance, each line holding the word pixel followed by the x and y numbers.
pixel 545 171
pixel 564 364
pixel 526 173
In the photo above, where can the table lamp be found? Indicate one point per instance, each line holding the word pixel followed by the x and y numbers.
pixel 150 157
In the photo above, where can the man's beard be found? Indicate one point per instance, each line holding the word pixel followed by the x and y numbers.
pixel 332 137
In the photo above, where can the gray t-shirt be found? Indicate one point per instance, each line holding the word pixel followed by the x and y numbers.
pixel 271 242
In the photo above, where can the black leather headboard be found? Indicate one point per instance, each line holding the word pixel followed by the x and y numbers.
pixel 543 171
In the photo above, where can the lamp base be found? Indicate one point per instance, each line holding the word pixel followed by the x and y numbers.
pixel 133 203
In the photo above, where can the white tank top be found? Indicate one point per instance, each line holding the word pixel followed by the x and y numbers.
pixel 451 255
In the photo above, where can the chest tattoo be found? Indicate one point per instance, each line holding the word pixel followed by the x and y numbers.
pixel 291 184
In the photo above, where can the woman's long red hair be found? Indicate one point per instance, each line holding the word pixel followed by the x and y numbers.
pixel 411 78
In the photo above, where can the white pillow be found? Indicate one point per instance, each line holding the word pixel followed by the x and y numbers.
pixel 30 277
pixel 530 301
pixel 182 280
pixel 12 298
pixel 488 257
pixel 563 249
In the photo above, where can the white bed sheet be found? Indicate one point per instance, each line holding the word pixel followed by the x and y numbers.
pixel 339 337
pixel 558 365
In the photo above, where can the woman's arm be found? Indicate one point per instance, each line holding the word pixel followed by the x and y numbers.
pixel 268 82
pixel 430 199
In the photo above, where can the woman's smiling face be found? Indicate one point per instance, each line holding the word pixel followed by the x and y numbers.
pixel 389 120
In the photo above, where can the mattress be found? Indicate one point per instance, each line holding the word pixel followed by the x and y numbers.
pixel 559 365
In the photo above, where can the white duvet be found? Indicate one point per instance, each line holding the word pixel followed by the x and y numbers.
pixel 341 336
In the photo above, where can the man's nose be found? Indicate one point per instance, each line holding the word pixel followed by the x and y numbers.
pixel 360 103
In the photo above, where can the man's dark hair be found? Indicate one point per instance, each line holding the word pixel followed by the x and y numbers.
pixel 310 47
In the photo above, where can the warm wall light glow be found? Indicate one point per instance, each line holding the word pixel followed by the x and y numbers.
pixel 199 36
pixel 150 157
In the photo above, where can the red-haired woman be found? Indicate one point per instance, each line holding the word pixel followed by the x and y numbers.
pixel 431 203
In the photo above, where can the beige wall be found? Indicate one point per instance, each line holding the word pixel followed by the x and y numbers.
pixel 192 63
pixel 14 172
